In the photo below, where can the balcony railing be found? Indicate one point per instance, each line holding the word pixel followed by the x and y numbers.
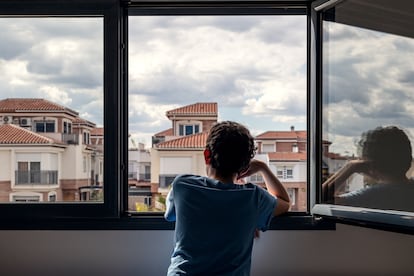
pixel 36 177
pixel 71 139
pixel 139 176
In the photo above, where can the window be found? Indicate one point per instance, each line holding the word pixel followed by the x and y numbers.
pixel 284 172
pixel 86 140
pixel 21 198
pixel 67 128
pixel 188 129
pixel 292 196
pixel 268 147
pixel 187 76
pixel 52 64
pixel 46 126
pixel 235 63
pixel 366 113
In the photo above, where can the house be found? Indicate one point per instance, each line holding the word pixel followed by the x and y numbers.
pixel 47 153
pixel 179 149
pixel 140 190
pixel 287 157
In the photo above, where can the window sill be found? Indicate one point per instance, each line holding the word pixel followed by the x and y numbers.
pixel 291 221
pixel 389 220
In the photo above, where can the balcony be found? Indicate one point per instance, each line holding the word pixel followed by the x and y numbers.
pixel 71 139
pixel 139 176
pixel 36 177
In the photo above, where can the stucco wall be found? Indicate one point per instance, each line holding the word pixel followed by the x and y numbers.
pixel 347 251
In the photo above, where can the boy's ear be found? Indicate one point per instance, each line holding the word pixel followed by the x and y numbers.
pixel 207 156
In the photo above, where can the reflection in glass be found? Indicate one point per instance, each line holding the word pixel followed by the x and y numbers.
pixel 368 81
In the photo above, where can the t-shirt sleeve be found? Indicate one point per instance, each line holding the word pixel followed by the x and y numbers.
pixel 267 204
pixel 169 214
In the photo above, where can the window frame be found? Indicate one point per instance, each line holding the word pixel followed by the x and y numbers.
pixel 390 220
pixel 70 211
pixel 112 213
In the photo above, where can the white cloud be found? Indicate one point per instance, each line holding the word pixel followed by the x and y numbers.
pixel 368 82
pixel 54 94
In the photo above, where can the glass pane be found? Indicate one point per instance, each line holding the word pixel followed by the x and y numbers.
pixel 194 71
pixel 188 130
pixel 368 112
pixel 51 90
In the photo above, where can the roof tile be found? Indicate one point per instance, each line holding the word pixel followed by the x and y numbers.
pixel 287 156
pixel 195 109
pixel 31 104
pixel 167 132
pixel 295 134
pixel 13 134
pixel 190 141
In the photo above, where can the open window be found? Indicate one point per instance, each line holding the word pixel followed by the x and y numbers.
pixel 366 115
pixel 189 68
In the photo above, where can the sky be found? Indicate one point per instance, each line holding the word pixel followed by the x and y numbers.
pixel 254 67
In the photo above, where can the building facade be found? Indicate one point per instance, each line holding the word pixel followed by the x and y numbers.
pixel 47 153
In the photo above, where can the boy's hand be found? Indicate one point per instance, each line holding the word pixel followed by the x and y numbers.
pixel 255 166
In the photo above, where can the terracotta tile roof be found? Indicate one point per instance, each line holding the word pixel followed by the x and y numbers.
pixel 97 131
pixel 296 134
pixel 195 109
pixel 194 141
pixel 80 121
pixel 32 105
pixel 167 132
pixel 287 156
pixel 13 134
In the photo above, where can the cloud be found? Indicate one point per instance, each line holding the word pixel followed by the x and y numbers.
pixel 60 59
pixel 253 66
pixel 368 79
pixel 258 67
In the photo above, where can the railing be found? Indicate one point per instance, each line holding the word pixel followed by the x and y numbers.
pixel 139 177
pixel 71 139
pixel 36 177
pixel 255 178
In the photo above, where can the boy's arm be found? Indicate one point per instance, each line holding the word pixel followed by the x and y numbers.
pixel 337 180
pixel 273 185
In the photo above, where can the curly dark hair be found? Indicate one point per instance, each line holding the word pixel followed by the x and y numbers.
pixel 388 148
pixel 232 147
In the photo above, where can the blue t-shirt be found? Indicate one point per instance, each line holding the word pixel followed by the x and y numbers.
pixel 215 225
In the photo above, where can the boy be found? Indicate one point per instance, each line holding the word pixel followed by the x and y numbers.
pixel 216 219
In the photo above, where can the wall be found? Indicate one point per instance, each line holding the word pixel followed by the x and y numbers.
pixel 347 251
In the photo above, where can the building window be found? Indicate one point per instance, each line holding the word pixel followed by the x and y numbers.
pixel 284 172
pixel 52 197
pixel 292 195
pixel 268 148
pixel 26 199
pixel 67 128
pixel 188 129
pixel 45 126
pixel 28 173
pixel 86 136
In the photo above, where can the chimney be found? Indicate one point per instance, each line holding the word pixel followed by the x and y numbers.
pixel 292 128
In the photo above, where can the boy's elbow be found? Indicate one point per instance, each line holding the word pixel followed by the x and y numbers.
pixel 282 207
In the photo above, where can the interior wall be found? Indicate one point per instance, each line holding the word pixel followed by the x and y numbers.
pixel 347 251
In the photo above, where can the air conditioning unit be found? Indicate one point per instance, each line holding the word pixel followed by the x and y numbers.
pixel 7 119
pixel 25 122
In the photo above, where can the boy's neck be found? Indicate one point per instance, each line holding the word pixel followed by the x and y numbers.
pixel 212 173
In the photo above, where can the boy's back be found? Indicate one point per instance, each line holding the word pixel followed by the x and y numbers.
pixel 215 224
